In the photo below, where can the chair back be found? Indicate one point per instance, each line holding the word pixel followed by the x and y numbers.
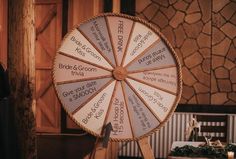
pixel 214 126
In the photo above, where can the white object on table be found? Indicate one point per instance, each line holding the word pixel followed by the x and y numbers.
pixel 183 143
pixel 230 155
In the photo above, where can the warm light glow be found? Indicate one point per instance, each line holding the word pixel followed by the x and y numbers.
pixel 230 155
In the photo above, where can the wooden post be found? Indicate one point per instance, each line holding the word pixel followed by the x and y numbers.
pixel 21 64
pixel 145 148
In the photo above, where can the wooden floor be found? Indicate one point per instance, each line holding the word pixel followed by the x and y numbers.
pixel 64 146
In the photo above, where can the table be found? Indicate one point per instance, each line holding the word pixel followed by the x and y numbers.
pixel 184 143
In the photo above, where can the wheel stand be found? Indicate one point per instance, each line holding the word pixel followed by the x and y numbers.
pixel 101 146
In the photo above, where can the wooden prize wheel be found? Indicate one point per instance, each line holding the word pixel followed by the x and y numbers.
pixel 117 69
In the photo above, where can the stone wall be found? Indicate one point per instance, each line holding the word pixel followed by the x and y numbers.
pixel 203 34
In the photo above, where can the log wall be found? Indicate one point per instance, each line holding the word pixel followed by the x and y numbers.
pixel 21 52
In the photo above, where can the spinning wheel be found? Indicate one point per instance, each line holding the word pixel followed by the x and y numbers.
pixel 117 69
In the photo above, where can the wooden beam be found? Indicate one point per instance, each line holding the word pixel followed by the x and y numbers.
pixel 21 66
pixel 48 114
pixel 46 46
pixel 47 19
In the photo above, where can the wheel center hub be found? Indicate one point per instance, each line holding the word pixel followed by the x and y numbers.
pixel 120 73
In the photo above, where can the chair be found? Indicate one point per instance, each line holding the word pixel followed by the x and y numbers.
pixel 212 125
